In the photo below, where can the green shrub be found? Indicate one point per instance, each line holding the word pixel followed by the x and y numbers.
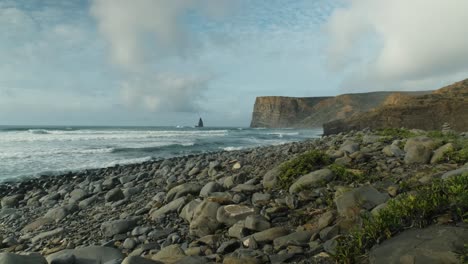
pixel 395 133
pixel 406 211
pixel 301 165
pixel 346 175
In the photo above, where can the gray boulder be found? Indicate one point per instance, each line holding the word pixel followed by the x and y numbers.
pixel 173 206
pixel 455 173
pixel 114 195
pixel 419 150
pixel 10 258
pixel 439 153
pixel 183 190
pixel 204 219
pixel 112 228
pixel 230 214
pixel 431 245
pixel 139 260
pixel 271 178
pixel 351 202
pixel 209 188
pixel 87 255
pixel 312 180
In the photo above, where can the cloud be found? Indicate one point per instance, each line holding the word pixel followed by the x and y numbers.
pixel 165 91
pixel 399 44
pixel 144 33
pixel 140 31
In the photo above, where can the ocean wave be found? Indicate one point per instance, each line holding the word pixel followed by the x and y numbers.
pixel 232 148
pixel 153 148
pixel 282 134
pixel 38 131
pixel 55 152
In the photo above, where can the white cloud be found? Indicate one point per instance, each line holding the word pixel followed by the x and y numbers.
pixel 140 31
pixel 165 92
pixel 399 44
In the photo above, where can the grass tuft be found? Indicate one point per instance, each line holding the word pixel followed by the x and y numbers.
pixel 406 211
pixel 301 165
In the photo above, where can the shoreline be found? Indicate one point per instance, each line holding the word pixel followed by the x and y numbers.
pixel 269 204
pixel 65 173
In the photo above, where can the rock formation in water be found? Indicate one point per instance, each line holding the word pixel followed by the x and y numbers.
pixel 429 112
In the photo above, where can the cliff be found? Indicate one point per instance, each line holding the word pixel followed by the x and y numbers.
pixel 429 112
pixel 279 111
pixel 307 112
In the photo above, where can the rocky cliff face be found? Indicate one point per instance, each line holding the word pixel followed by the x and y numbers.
pixel 428 112
pixel 276 111
pixel 279 111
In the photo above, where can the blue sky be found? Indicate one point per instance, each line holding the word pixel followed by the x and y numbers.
pixel 160 62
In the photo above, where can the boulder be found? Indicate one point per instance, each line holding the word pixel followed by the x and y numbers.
pixel 10 258
pixel 271 178
pixel 87 255
pixel 11 201
pixel 182 190
pixel 300 238
pixel 78 195
pixel 114 195
pixel 209 188
pixel 266 235
pixel 204 219
pixel 311 180
pixel 170 254
pixel 256 223
pixel 434 244
pixel 173 206
pixel 455 173
pixel 115 227
pixel 440 153
pixel 352 201
pixel 419 150
pixel 230 214
pixel 349 146
pixel 139 260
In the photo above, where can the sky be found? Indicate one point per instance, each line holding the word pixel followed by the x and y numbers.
pixel 161 62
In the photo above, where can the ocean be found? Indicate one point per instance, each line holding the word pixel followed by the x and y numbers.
pixel 34 151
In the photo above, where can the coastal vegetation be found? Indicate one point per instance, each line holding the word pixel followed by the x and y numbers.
pixel 415 210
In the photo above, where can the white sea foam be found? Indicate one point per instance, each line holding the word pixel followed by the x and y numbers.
pixel 232 148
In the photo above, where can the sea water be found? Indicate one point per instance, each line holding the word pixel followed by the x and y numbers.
pixel 35 151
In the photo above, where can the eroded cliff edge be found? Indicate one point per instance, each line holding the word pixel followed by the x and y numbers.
pixel 429 112
pixel 309 112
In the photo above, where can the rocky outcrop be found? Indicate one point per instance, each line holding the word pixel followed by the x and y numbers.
pixel 428 112
pixel 279 111
pixel 307 112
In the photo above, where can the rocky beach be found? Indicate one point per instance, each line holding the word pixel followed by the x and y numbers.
pixel 385 196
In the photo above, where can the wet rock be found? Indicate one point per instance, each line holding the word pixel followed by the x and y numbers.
pixel 349 146
pixel 114 195
pixel 259 199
